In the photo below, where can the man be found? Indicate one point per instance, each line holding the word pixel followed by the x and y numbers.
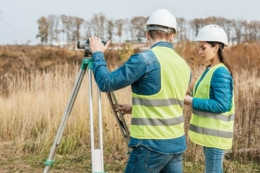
pixel 159 78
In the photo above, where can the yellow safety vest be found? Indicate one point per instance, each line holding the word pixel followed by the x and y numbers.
pixel 160 116
pixel 211 129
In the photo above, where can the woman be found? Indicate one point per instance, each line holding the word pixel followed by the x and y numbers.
pixel 212 121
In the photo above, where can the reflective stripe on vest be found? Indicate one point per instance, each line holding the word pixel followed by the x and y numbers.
pixel 160 116
pixel 157 122
pixel 211 132
pixel 211 129
pixel 214 115
pixel 158 102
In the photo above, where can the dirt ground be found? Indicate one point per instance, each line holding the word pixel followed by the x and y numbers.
pixel 14 162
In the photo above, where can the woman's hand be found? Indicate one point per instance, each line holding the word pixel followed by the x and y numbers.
pixel 125 108
pixel 187 100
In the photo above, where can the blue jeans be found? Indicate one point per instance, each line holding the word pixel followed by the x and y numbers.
pixel 213 160
pixel 142 160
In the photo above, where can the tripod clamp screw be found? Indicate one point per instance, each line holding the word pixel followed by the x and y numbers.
pixel 87 63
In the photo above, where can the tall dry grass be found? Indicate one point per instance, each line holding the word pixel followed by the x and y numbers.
pixel 31 113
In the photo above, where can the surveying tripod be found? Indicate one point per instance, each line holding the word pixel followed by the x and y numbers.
pixel 96 154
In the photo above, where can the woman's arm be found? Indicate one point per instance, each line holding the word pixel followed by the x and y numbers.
pixel 221 93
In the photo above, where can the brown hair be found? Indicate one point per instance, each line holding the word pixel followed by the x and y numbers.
pixel 158 34
pixel 220 54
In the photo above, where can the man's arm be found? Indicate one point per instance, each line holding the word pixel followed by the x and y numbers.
pixel 128 73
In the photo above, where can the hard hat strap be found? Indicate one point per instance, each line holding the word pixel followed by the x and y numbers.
pixel 157 27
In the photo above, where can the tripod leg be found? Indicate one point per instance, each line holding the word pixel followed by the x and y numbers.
pixel 64 120
pixel 96 154
pixel 119 116
pixel 100 131
pixel 91 121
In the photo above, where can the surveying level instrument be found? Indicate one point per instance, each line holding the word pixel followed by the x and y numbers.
pixel 96 154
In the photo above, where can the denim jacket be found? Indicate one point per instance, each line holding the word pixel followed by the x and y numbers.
pixel 142 72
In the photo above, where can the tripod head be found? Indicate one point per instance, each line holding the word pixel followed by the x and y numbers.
pixel 85 45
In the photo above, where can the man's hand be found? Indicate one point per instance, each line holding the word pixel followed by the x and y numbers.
pixel 97 45
pixel 125 108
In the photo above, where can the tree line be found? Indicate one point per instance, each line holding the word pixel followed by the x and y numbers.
pixel 70 29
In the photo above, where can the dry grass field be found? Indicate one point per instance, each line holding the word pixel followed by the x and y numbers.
pixel 36 83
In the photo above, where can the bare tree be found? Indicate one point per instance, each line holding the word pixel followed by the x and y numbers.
pixel 77 23
pixel 98 24
pixel 54 30
pixel 196 24
pixel 181 29
pixel 110 29
pixel 253 28
pixel 88 30
pixel 119 28
pixel 43 27
pixel 257 23
pixel 227 26
pixel 238 30
pixel 66 27
pixel 138 27
pixel 72 26
pixel 51 27
pixel 57 29
pixel 126 28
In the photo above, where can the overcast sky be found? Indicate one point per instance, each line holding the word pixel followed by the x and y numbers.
pixel 18 18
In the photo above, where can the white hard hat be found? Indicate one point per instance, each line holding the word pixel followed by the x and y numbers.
pixel 212 33
pixel 164 18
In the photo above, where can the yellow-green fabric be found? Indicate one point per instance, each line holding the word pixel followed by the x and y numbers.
pixel 160 116
pixel 211 129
